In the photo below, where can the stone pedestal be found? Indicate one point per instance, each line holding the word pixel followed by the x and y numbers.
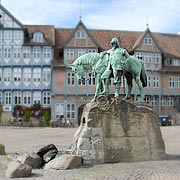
pixel 118 131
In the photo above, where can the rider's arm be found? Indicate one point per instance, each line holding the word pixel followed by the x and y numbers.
pixel 125 53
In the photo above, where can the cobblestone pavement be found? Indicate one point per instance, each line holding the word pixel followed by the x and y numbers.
pixel 20 140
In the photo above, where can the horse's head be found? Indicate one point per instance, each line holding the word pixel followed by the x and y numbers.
pixel 78 70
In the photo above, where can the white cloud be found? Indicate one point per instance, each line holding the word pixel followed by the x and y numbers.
pixel 100 14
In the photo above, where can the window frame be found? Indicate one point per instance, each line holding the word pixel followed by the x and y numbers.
pixel 148 41
pixel 81 34
pixel 70 78
pixel 8 98
pixel 37 97
pixel 70 111
pixel 171 81
pixel 46 98
pixel 27 98
pixel 69 53
pixel 17 97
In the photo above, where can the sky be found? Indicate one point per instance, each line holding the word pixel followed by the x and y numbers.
pixel 132 15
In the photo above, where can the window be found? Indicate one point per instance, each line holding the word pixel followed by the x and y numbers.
pixel 81 34
pixel 27 98
pixel 154 101
pixel 157 58
pixel 26 54
pixel 139 55
pixel 46 75
pixel 81 82
pixel 17 75
pixel 70 78
pixel 17 97
pixel 169 62
pixel 176 62
pixel 17 54
pixel 27 76
pixel 148 41
pixel 147 57
pixel 92 50
pixel 172 62
pixel 59 110
pixel 178 82
pixel 47 53
pixel 8 98
pixel 148 81
pixel 36 53
pixel 171 82
pixel 70 53
pixel 46 98
pixel 156 81
pixel 36 97
pixel 7 53
pixel 38 37
pixel 37 75
pixel 91 78
pixel 7 74
pixel 70 111
pixel 81 52
pixel 170 101
pixel 163 101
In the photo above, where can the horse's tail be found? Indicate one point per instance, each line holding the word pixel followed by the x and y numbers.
pixel 143 75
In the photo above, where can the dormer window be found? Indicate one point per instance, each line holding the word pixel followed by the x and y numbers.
pixel 81 34
pixel 148 41
pixel 38 37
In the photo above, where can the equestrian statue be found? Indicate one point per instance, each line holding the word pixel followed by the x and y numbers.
pixel 115 62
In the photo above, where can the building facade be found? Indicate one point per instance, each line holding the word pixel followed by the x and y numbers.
pixel 26 54
pixel 35 66
pixel 160 52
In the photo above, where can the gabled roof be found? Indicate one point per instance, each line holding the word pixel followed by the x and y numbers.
pixel 10 15
pixel 141 37
pixel 80 23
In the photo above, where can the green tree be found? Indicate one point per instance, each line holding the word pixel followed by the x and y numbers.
pixel 47 116
pixel 27 115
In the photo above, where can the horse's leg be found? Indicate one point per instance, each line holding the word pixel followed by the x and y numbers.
pixel 98 88
pixel 129 83
pixel 140 86
pixel 105 83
